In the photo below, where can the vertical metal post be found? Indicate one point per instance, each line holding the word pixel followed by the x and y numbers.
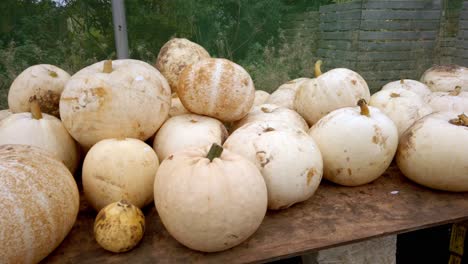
pixel 120 29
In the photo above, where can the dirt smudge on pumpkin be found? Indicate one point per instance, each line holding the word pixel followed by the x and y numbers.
pixel 193 121
pixel 170 157
pixel 262 158
pixel 310 175
pixel 99 92
pixel 378 137
pixel 339 170
pixel 353 82
pixel 268 129
pixel 350 172
pixel 48 101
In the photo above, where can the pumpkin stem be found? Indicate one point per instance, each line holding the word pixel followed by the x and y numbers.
pixel 35 109
pixel 402 81
pixel 364 109
pixel 107 66
pixel 215 152
pixel 455 91
pixel 317 70
pixel 464 119
pixel 394 95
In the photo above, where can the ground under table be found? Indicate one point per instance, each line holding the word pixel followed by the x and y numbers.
pixel 334 216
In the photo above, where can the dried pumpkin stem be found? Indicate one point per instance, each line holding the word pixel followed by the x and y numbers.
pixel 402 81
pixel 215 152
pixel 317 69
pixel 364 109
pixel 464 119
pixel 107 68
pixel 36 110
pixel 455 91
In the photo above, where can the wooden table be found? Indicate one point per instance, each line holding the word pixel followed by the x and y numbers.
pixel 334 216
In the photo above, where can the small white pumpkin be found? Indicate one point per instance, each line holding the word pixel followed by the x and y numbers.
pixel 444 78
pixel 116 169
pixel 186 131
pixel 287 157
pixel 210 201
pixel 285 94
pixel 43 131
pixel 433 152
pixel 334 89
pixel 115 99
pixel 42 82
pixel 177 108
pixel 411 85
pixel 402 106
pixel 217 88
pixel 175 55
pixel 456 101
pixel 273 112
pixel 260 97
pixel 357 144
pixel 5 113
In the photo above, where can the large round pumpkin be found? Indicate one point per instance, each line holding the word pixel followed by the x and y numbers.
pixel 357 144
pixel 456 100
pixel 43 131
pixel 177 108
pixel 209 202
pixel 411 85
pixel 175 55
pixel 114 99
pixel 287 157
pixel 433 152
pixel 444 78
pixel 187 131
pixel 260 97
pixel 334 89
pixel 5 113
pixel 116 169
pixel 218 88
pixel 402 106
pixel 42 82
pixel 285 94
pixel 39 203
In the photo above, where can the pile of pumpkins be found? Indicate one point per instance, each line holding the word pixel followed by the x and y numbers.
pixel 193 136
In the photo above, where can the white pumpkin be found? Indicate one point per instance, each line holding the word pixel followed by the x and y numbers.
pixel 456 101
pixel 433 152
pixel 217 88
pixel 444 78
pixel 210 204
pixel 177 108
pixel 285 94
pixel 5 113
pixel 43 131
pixel 115 99
pixel 260 97
pixel 116 169
pixel 402 106
pixel 39 203
pixel 187 131
pixel 42 82
pixel 357 144
pixel 287 157
pixel 334 89
pixel 273 112
pixel 175 55
pixel 411 85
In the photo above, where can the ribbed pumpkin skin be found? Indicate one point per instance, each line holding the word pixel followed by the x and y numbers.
pixel 39 203
pixel 218 88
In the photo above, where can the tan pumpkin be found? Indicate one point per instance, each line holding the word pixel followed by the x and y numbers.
pixel 456 101
pixel 43 131
pixel 208 199
pixel 271 112
pixel 39 203
pixel 287 157
pixel 217 88
pixel 115 99
pixel 175 55
pixel 411 85
pixel 116 169
pixel 357 144
pixel 444 78
pixel 177 108
pixel 334 89
pixel 285 94
pixel 42 82
pixel 433 152
pixel 260 97
pixel 402 106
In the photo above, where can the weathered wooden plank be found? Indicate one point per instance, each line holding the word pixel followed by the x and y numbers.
pixel 341 54
pixel 465 5
pixel 340 25
pixel 335 44
pixel 342 15
pixel 389 75
pixel 336 35
pixel 393 35
pixel 463 24
pixel 464 14
pixel 395 45
pixel 397 4
pixel 391 56
pixel 463 34
pixel 400 14
pixel 340 7
pixel 399 25
pixel 391 65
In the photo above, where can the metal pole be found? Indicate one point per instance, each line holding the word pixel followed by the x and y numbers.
pixel 120 29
